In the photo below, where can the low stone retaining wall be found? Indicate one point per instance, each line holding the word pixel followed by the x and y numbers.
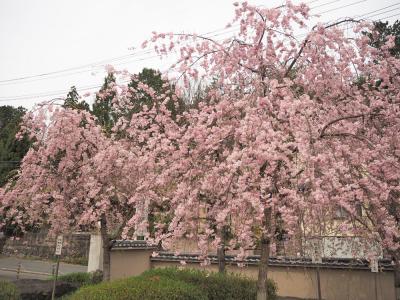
pixel 75 246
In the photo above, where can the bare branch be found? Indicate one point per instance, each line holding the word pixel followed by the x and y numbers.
pixel 322 134
pixel 347 134
pixel 306 41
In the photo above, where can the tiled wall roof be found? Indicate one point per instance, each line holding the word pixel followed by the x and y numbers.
pixel 332 263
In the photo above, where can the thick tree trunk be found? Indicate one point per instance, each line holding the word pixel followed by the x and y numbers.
pixel 263 269
pixel 221 251
pixel 106 248
pixel 221 259
pixel 279 235
pixel 280 248
pixel 262 293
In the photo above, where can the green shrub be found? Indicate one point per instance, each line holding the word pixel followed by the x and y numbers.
pixel 140 288
pixel 171 283
pixel 216 285
pixel 8 291
pixel 96 277
pixel 82 278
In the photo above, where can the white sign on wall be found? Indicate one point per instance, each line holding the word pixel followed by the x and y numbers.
pixel 59 244
pixel 374 265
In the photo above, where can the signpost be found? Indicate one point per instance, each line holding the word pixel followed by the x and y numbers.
pixel 59 244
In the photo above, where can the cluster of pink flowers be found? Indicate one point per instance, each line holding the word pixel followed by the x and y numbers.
pixel 287 132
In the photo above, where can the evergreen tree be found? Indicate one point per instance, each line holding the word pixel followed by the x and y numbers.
pixel 72 100
pixel 102 107
pixel 12 150
pixel 141 97
pixel 383 30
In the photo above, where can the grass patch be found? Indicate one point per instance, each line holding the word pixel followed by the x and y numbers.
pixel 8 291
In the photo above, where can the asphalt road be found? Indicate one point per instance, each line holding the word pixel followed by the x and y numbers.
pixel 40 269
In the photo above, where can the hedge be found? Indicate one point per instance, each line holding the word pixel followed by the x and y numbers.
pixel 216 285
pixel 140 288
pixel 176 284
pixel 8 291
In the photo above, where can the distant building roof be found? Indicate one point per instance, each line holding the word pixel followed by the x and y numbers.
pixel 131 244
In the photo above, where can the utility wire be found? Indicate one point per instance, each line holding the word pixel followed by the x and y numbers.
pixel 125 62
pixel 340 7
pixel 62 74
pixel 324 4
pixel 383 8
pixel 100 64
pixel 384 18
pixel 385 12
pixel 95 65
pixel 360 17
pixel 105 61
pixel 27 96
pixel 53 93
pixel 47 94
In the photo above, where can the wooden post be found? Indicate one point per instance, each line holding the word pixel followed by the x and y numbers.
pixel 58 254
pixel 55 278
pixel 18 270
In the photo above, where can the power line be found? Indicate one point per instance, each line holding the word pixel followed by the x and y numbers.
pixel 389 17
pixel 91 66
pixel 77 67
pixel 47 94
pixel 340 7
pixel 84 88
pixel 385 12
pixel 120 59
pixel 53 93
pixel 324 4
pixel 312 1
pixel 359 17
pixel 100 64
pixel 62 74
pixel 369 17
pixel 382 8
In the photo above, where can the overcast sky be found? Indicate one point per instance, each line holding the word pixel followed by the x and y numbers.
pixel 46 36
